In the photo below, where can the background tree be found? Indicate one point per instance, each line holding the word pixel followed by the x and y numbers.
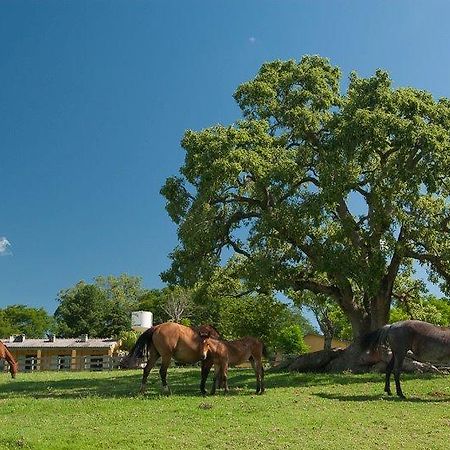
pixel 317 190
pixel 265 317
pixel 178 305
pixel 153 300
pixel 331 319
pixel 290 340
pixel 173 304
pixel 101 309
pixel 123 294
pixel 428 308
pixel 82 310
pixel 21 319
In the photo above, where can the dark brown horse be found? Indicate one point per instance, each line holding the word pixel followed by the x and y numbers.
pixel 226 353
pixel 427 342
pixel 170 340
pixel 6 354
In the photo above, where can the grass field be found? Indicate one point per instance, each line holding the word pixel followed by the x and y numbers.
pixel 102 410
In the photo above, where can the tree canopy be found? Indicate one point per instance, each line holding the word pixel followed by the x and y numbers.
pixel 21 319
pixel 337 193
pixel 101 309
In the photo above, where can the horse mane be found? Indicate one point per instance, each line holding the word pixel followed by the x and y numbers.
pixel 373 340
pixel 207 330
pixel 140 348
pixel 264 350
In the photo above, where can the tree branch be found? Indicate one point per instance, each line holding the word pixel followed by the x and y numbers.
pixel 345 216
pixel 388 280
pixel 317 288
pixel 434 260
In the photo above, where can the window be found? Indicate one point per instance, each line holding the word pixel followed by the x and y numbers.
pixel 95 362
pixel 63 362
pixel 31 363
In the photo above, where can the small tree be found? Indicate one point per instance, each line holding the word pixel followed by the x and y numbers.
pixel 178 305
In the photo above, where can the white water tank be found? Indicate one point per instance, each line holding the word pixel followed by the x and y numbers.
pixel 141 320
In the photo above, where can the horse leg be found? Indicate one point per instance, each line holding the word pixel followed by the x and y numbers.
pixel 256 370
pixel 261 377
pixel 206 367
pixel 397 369
pixel 149 366
pixel 224 381
pixel 389 367
pixel 165 362
pixel 214 385
pixel 259 373
pixel 216 381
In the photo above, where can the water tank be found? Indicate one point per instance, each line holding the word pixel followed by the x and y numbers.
pixel 141 320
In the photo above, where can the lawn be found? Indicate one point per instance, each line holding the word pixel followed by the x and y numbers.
pixel 103 410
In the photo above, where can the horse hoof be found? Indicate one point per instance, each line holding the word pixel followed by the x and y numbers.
pixel 166 390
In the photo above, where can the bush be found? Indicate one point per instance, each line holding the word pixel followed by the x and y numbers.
pixel 290 340
pixel 128 339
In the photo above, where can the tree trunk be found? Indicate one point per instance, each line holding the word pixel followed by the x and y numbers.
pixel 379 311
pixel 328 338
pixel 352 358
pixel 363 321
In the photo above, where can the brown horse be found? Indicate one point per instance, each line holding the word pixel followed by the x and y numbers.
pixel 427 342
pixel 225 353
pixel 6 354
pixel 170 340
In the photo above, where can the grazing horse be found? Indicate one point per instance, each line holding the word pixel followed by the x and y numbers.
pixel 427 342
pixel 6 354
pixel 225 353
pixel 170 340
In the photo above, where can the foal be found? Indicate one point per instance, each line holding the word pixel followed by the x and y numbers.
pixel 225 353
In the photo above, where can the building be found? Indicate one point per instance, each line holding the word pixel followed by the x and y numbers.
pixel 315 342
pixel 63 354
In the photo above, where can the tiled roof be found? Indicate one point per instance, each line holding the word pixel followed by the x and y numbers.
pixel 62 343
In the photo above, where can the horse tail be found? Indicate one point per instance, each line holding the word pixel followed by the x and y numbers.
pixel 143 344
pixel 373 340
pixel 264 350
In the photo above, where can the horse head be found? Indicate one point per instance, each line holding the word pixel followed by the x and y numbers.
pixel 205 331
pixel 204 346
pixel 13 368
pixel 129 362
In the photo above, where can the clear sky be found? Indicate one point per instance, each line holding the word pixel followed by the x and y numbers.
pixel 96 95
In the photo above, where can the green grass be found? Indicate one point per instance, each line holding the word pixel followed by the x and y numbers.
pixel 103 410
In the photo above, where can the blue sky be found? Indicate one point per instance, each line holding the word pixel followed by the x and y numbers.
pixel 96 95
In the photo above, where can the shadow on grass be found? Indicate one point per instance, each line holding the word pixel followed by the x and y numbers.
pixel 183 382
pixel 72 387
pixel 378 397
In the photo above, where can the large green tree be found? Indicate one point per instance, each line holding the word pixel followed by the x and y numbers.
pixel 82 309
pixel 22 319
pixel 101 309
pixel 317 189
